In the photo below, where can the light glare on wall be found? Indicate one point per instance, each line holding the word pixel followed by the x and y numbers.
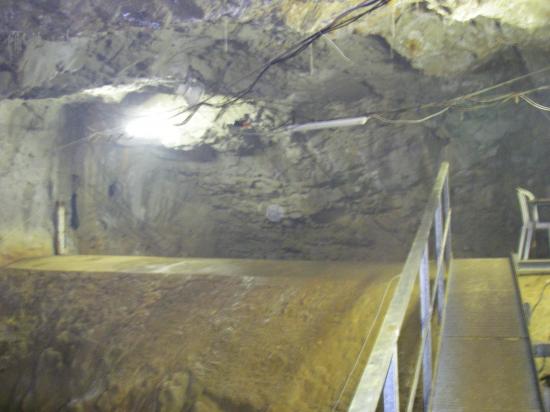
pixel 165 119
pixel 153 125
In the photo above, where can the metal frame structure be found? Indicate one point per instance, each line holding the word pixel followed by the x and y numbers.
pixel 529 207
pixel 530 267
pixel 380 378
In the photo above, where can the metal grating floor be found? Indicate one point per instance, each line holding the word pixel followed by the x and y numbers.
pixel 485 361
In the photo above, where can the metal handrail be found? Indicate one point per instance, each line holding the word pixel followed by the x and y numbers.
pixel 380 376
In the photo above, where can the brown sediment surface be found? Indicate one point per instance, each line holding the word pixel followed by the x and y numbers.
pixel 90 333
pixel 539 327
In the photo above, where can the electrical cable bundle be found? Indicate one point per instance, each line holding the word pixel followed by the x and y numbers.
pixel 344 19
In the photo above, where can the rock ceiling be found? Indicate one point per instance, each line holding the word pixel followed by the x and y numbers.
pixel 212 49
pixel 438 37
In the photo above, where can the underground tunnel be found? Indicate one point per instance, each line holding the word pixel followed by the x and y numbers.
pixel 250 205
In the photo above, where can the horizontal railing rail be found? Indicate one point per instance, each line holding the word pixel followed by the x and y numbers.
pixel 380 378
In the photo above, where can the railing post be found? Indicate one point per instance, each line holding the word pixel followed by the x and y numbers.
pixel 391 385
pixel 380 375
pixel 425 321
pixel 60 229
pixel 446 209
pixel 438 230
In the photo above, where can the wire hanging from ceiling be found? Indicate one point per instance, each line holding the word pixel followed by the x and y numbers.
pixel 342 20
pixel 535 104
pixel 464 103
pixel 461 103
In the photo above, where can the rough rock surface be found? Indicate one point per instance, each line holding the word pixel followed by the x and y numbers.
pixel 72 89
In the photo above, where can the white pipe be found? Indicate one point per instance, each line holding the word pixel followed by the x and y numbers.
pixel 329 124
pixel 60 229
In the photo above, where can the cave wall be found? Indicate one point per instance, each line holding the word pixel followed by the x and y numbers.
pixel 343 194
pixel 486 174
pixel 337 194
pixel 32 176
pixel 338 198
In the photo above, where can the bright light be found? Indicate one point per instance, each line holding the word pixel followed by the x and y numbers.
pixel 153 125
pixel 162 119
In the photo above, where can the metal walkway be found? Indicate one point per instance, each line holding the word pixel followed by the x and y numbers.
pixel 482 350
pixel 484 361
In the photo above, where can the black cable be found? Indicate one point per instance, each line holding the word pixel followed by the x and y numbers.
pixel 339 22
pixel 539 299
pixel 304 44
